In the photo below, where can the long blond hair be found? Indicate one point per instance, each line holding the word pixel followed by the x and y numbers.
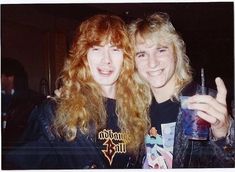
pixel 81 103
pixel 159 23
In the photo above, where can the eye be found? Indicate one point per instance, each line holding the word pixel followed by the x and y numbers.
pixel 162 50
pixel 115 49
pixel 140 55
pixel 95 48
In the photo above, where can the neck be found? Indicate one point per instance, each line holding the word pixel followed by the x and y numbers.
pixel 109 91
pixel 165 92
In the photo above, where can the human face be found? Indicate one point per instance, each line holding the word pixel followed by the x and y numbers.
pixel 7 83
pixel 155 62
pixel 105 62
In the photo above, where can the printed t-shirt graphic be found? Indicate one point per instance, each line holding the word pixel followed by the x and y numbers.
pixel 159 148
pixel 113 142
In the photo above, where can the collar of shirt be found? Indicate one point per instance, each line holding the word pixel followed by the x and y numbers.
pixel 12 91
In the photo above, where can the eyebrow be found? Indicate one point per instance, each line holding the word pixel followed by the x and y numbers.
pixel 97 46
pixel 162 47
pixel 113 46
pixel 104 45
pixel 139 52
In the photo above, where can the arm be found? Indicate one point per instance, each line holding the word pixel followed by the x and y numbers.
pixel 34 148
pixel 214 111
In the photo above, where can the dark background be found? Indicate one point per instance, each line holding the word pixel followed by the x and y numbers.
pixel 39 35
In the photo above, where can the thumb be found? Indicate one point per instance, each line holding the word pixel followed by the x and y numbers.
pixel 222 91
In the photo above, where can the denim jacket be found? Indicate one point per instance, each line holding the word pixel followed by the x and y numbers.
pixel 202 154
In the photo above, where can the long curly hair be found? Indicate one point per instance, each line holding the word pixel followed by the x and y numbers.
pixel 158 26
pixel 81 106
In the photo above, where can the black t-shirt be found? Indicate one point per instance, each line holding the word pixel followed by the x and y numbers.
pixel 161 113
pixel 112 118
pixel 160 139
pixel 110 140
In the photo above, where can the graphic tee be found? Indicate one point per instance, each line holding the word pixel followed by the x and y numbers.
pixel 160 139
pixel 111 141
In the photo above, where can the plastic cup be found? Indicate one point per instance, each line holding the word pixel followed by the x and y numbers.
pixel 194 127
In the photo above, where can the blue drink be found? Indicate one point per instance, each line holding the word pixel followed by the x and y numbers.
pixel 194 127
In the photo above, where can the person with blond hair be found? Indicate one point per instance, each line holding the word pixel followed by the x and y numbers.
pixel 165 74
pixel 95 120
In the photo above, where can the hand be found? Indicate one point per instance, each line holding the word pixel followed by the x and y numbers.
pixel 213 110
pixel 57 92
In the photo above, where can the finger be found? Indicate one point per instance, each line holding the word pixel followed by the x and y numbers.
pixel 206 117
pixel 58 92
pixel 216 122
pixel 209 110
pixel 222 91
pixel 210 102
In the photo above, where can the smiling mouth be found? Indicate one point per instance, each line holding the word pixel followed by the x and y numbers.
pixel 155 73
pixel 105 72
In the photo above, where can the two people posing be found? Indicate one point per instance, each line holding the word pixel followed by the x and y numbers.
pixel 102 112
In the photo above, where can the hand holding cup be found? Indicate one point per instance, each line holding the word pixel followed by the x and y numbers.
pixel 213 110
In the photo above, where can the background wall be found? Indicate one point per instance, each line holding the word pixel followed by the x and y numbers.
pixel 37 39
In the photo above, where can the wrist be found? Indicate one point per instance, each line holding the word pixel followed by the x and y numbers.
pixel 220 133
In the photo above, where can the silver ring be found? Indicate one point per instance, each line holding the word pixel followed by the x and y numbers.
pixel 216 122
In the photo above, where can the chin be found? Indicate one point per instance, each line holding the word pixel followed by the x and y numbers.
pixel 106 83
pixel 157 85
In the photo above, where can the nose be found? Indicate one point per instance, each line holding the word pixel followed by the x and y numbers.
pixel 152 61
pixel 106 57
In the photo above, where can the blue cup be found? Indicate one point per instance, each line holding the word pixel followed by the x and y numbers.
pixel 194 127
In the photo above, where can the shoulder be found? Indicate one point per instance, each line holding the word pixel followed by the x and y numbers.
pixel 43 116
pixel 48 105
pixel 46 108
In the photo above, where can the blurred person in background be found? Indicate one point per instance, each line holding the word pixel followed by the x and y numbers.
pixel 17 102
